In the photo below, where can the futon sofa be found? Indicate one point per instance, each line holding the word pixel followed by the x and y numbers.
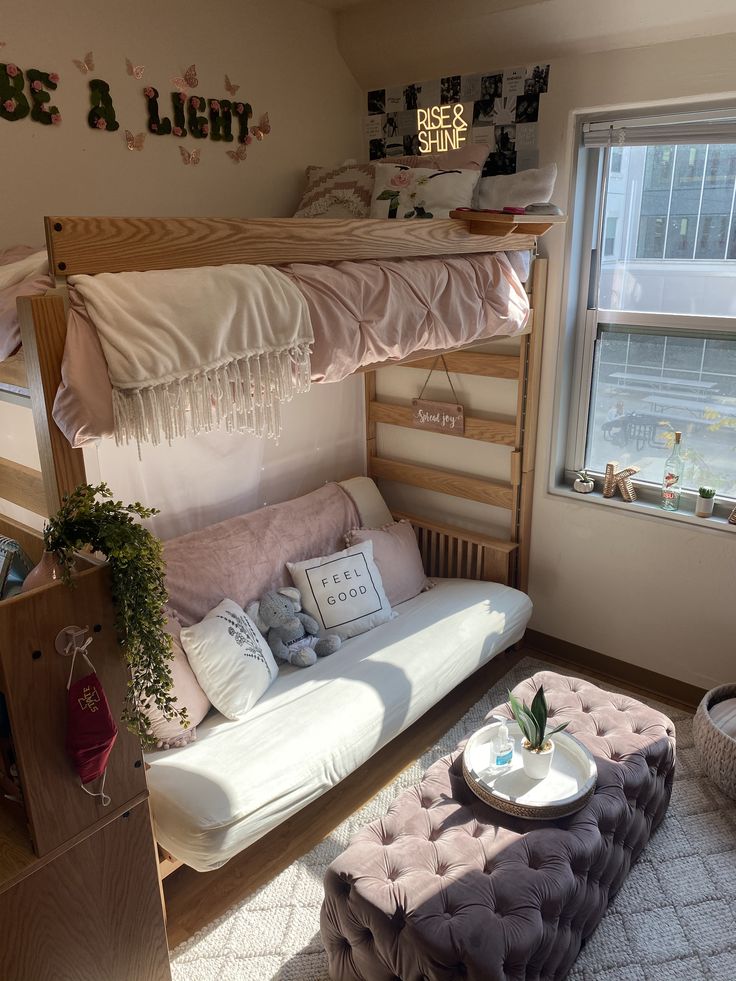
pixel 217 795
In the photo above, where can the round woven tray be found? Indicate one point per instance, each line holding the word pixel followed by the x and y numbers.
pixel 716 749
pixel 549 813
pixel 549 805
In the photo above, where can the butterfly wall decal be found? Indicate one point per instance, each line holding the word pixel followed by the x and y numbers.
pixel 188 80
pixel 230 87
pixel 87 64
pixel 263 128
pixel 135 70
pixel 237 155
pixel 134 142
pixel 189 157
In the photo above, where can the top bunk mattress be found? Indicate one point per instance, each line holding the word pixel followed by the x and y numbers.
pixel 362 313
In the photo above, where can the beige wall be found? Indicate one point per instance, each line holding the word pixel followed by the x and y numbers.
pixel 651 592
pixel 284 55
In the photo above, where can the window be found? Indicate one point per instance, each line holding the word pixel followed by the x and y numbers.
pixel 657 333
pixel 609 239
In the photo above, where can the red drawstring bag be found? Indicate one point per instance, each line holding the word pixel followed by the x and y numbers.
pixel 91 730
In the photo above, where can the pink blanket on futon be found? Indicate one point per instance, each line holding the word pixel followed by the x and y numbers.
pixel 363 313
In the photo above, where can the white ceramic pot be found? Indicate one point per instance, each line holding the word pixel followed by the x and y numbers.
pixel 583 486
pixel 536 765
pixel 704 506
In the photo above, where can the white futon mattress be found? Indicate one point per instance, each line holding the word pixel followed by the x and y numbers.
pixel 314 726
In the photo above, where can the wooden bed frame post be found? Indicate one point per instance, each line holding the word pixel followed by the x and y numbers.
pixel 526 421
pixel 43 331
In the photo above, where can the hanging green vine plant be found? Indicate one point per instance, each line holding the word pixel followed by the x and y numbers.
pixel 89 517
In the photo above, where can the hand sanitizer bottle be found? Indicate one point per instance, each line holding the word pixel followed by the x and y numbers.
pixel 503 750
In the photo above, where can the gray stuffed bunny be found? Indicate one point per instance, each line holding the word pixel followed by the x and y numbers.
pixel 290 634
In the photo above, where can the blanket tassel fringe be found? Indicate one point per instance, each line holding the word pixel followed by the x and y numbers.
pixel 244 395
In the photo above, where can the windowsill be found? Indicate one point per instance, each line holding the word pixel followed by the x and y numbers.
pixel 644 509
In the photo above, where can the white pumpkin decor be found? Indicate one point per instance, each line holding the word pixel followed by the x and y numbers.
pixel 583 483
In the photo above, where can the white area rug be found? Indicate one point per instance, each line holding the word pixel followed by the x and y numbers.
pixel 673 920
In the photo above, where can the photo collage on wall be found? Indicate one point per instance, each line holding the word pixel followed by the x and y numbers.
pixel 501 109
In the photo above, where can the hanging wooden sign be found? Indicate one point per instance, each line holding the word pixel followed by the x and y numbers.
pixel 439 417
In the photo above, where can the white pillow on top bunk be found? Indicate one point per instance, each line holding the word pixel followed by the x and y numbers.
pixel 535 186
pixel 420 192
pixel 345 191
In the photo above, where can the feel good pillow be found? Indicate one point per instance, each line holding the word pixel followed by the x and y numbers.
pixel 396 553
pixel 420 192
pixel 230 657
pixel 343 592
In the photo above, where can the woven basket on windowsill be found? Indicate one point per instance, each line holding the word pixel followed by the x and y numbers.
pixel 717 750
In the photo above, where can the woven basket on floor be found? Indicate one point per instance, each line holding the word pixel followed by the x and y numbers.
pixel 716 749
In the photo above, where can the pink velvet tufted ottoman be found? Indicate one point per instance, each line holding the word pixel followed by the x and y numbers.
pixel 444 887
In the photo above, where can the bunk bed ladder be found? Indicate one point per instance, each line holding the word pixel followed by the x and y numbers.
pixel 448 551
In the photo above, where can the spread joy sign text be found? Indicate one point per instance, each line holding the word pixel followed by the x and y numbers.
pixel 439 417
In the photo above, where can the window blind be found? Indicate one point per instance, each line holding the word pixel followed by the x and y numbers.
pixel 717 126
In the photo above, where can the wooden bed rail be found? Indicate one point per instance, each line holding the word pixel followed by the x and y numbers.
pixel 23 486
pixel 93 245
pixel 455 553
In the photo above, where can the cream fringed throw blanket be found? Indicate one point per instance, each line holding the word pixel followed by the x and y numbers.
pixel 189 350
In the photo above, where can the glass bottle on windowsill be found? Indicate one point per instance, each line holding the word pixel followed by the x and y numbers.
pixel 672 480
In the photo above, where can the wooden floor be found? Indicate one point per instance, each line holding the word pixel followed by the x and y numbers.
pixel 194 899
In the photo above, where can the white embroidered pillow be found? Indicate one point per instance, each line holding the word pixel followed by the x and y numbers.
pixel 339 192
pixel 230 657
pixel 420 192
pixel 343 592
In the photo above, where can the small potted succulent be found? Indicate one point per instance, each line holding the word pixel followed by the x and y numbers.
pixel 583 483
pixel 704 502
pixel 537 747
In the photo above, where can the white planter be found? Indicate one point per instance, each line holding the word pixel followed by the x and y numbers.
pixel 704 506
pixel 536 765
pixel 583 486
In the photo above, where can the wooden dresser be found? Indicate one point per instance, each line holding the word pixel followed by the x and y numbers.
pixel 80 897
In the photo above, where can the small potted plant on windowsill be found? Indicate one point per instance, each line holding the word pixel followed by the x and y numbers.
pixel 583 483
pixel 537 747
pixel 704 502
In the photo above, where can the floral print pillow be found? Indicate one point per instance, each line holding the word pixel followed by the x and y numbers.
pixel 418 192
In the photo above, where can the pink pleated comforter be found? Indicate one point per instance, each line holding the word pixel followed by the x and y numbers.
pixel 362 313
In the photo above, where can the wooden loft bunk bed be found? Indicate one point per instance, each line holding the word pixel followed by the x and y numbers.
pixel 90 245
pixel 93 245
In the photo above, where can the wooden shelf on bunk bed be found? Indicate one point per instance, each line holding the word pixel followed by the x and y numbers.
pixel 93 245
pixel 499 223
